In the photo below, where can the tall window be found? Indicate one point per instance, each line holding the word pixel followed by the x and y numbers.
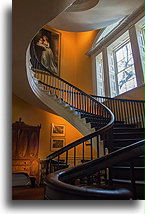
pixel 121 66
pixel 112 74
pixel 140 29
pixel 100 75
pixel 125 72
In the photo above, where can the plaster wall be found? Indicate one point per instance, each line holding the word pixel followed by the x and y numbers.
pixel 76 67
pixel 34 116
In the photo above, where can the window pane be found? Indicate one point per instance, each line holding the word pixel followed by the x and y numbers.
pixel 125 68
pixel 140 29
pixel 124 57
pixel 100 75
pixel 112 75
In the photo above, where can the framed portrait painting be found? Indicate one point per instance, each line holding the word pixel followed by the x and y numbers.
pixel 47 48
pixel 57 130
pixel 57 143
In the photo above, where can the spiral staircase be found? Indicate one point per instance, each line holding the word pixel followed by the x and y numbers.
pixel 107 163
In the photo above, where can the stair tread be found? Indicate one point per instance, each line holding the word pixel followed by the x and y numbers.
pixel 127 167
pixel 127 181
pixel 121 122
pixel 124 125
pixel 127 128
pixel 122 133
pixel 125 139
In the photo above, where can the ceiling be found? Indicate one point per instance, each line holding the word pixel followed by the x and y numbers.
pixel 87 15
pixel 28 18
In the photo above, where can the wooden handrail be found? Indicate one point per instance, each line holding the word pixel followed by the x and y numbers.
pixel 58 190
pixel 55 182
pixel 59 78
pixel 59 89
pixel 98 111
pixel 81 93
pixel 47 72
pixel 112 98
pixel 73 91
pixel 129 111
pixel 124 154
pixel 77 142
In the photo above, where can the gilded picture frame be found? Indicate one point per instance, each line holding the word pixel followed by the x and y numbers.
pixel 57 143
pixel 47 45
pixel 57 130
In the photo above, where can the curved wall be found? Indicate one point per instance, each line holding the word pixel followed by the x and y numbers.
pixel 34 116
pixel 76 66
pixel 28 18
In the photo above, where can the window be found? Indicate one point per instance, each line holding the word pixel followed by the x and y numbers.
pixel 122 47
pixel 121 66
pixel 140 29
pixel 112 75
pixel 100 75
pixel 125 72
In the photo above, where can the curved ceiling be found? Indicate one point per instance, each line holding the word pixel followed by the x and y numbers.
pixel 82 5
pixel 28 19
pixel 86 15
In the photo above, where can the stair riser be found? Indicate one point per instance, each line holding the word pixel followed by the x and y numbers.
pixel 125 174
pixel 91 116
pixel 129 130
pixel 127 135
pixel 137 162
pixel 107 120
pixel 124 125
pixel 95 120
pixel 118 125
pixel 103 123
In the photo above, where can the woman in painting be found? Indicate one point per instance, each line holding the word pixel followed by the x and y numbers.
pixel 47 57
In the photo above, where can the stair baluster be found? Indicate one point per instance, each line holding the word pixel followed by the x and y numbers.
pixel 96 111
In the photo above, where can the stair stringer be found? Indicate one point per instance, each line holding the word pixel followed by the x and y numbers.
pixel 52 102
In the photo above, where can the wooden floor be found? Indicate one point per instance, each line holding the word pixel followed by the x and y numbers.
pixel 28 193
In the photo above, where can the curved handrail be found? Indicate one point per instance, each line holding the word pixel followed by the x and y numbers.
pixel 61 190
pixel 121 99
pixel 129 111
pixel 77 142
pixel 86 138
pixel 56 181
pixel 59 78
pixel 118 156
pixel 93 106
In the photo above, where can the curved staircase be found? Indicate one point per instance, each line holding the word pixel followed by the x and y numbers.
pixel 93 170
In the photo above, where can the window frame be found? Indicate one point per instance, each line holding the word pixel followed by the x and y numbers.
pixel 102 74
pixel 128 24
pixel 115 49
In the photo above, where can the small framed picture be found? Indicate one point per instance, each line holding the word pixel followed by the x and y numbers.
pixel 58 130
pixel 57 143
